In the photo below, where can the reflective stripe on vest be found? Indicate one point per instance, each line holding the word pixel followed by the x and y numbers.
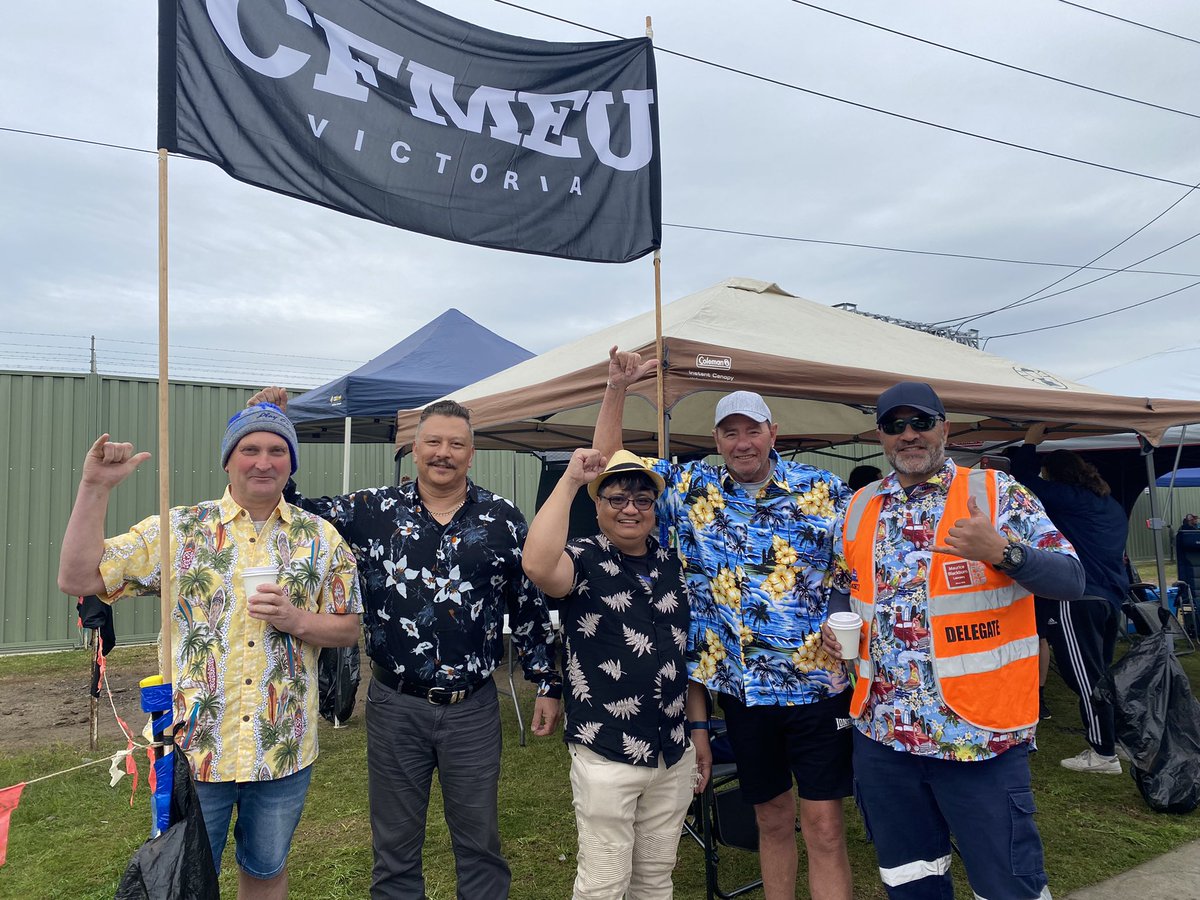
pixel 983 633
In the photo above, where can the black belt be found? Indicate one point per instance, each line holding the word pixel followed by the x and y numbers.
pixel 439 696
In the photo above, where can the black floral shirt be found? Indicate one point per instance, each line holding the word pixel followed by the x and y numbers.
pixel 434 597
pixel 624 638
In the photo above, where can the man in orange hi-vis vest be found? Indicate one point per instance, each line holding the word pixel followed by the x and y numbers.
pixel 941 563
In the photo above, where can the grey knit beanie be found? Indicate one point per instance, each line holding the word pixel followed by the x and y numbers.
pixel 263 417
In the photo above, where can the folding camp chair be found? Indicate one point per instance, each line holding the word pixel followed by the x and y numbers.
pixel 720 817
pixel 1146 616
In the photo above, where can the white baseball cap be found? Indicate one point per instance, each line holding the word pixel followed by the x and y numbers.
pixel 743 403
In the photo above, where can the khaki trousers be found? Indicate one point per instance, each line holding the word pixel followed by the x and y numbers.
pixel 629 820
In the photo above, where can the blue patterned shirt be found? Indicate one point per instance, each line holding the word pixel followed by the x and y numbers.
pixel 757 570
pixel 904 710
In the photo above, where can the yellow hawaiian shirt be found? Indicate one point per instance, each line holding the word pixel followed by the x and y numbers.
pixel 245 694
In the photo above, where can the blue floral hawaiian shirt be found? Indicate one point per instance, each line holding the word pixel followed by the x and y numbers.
pixel 757 571
pixel 904 709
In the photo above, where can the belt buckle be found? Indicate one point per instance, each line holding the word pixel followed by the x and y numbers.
pixel 440 696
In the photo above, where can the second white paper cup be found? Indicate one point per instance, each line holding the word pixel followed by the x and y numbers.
pixel 256 575
pixel 846 627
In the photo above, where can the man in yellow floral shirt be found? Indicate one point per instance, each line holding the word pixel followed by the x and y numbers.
pixel 244 667
pixel 756 536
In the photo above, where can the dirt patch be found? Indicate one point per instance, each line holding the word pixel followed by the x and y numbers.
pixel 43 709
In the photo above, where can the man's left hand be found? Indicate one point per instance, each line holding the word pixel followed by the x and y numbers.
pixel 974 538
pixel 546 713
pixel 272 606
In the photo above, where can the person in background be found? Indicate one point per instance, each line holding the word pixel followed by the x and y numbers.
pixel 861 476
pixel 628 698
pixel 756 536
pixel 244 666
pixel 941 563
pixel 1082 634
pixel 440 559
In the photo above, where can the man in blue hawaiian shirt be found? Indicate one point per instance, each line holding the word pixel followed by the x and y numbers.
pixel 756 533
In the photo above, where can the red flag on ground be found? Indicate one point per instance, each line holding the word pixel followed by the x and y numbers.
pixel 9 798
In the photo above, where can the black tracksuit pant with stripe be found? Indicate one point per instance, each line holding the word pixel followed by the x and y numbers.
pixel 1083 636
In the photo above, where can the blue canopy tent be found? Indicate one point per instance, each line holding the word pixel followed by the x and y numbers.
pixel 449 352
pixel 444 355
pixel 1182 478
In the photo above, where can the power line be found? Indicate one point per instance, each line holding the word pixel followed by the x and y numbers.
pixel 1000 259
pixel 1108 15
pixel 858 105
pixel 996 62
pixel 75 140
pixel 1111 312
pixel 1033 297
pixel 754 234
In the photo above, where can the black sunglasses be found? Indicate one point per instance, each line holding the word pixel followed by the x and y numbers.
pixel 620 501
pixel 918 423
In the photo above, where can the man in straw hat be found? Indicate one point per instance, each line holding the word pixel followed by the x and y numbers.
pixel 244 672
pixel 628 697
pixel 756 535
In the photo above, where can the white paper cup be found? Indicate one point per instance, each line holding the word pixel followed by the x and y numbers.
pixel 846 627
pixel 256 575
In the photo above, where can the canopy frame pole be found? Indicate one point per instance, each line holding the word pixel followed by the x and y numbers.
pixel 164 434
pixel 1156 526
pixel 660 382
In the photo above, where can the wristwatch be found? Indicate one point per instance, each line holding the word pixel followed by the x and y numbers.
pixel 698 726
pixel 1014 557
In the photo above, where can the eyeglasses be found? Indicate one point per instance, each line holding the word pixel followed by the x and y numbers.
pixel 620 501
pixel 918 423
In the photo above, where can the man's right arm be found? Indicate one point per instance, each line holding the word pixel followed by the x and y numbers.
pixel 624 368
pixel 545 558
pixel 106 465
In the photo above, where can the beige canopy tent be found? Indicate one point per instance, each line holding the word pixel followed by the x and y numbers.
pixel 819 368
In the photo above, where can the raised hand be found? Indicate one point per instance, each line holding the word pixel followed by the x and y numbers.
pixel 107 464
pixel 585 465
pixel 974 537
pixel 276 395
pixel 626 366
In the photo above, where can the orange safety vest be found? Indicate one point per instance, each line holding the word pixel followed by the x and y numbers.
pixel 984 643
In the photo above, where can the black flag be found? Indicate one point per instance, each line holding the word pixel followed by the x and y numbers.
pixel 395 112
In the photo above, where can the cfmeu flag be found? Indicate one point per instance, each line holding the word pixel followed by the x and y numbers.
pixel 395 112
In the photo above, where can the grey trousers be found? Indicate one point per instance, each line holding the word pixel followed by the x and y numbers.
pixel 407 738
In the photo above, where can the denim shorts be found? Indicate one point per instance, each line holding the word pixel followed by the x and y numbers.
pixel 268 813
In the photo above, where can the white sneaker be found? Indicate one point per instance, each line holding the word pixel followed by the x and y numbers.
pixel 1091 761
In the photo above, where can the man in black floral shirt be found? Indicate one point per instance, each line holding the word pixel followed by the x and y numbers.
pixel 625 626
pixel 440 563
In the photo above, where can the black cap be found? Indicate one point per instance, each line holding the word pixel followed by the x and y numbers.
pixel 916 394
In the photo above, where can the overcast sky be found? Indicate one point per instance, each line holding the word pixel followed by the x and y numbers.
pixel 268 278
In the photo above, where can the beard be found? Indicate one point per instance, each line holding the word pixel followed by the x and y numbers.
pixel 912 464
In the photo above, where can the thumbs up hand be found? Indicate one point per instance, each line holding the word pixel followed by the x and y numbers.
pixel 974 537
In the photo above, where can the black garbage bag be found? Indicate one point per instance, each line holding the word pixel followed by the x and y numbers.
pixel 338 677
pixel 1157 723
pixel 178 864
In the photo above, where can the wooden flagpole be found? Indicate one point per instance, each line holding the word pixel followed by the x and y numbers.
pixel 164 433
pixel 658 336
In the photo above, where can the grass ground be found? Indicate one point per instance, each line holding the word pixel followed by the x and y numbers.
pixel 72 836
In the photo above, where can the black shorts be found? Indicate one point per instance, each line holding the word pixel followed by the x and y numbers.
pixel 773 744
